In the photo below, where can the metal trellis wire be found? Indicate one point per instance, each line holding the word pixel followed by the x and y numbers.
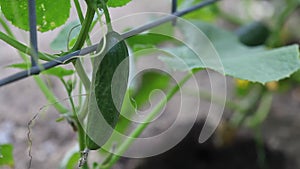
pixel 34 70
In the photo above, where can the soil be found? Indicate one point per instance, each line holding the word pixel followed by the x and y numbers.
pixel 242 153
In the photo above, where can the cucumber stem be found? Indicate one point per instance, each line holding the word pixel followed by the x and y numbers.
pixel 107 16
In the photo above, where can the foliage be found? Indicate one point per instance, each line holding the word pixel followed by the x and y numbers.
pixel 6 155
pixel 50 14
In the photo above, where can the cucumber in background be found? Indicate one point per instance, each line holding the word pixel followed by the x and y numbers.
pixel 253 34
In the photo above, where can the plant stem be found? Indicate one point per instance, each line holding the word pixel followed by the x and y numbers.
pixel 22 48
pixel 6 27
pixel 84 29
pixel 78 45
pixel 78 9
pixel 246 106
pixel 50 96
pixel 82 75
pixel 260 148
pixel 275 38
pixel 81 19
pixel 137 131
pixel 107 16
pixel 80 130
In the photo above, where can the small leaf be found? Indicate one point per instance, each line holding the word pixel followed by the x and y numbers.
pixel 144 41
pixel 50 14
pixel 67 34
pixel 117 3
pixel 70 161
pixel 149 81
pixel 7 158
pixel 55 71
pixel 20 66
pixel 59 72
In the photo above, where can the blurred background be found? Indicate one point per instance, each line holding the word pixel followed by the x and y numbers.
pixel 278 129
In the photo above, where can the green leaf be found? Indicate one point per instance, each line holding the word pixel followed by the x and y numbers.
pixel 205 14
pixel 24 66
pixel 253 64
pixel 59 72
pixel 7 158
pixel 67 34
pixel 117 3
pixel 50 14
pixel 55 71
pixel 70 161
pixel 145 41
pixel 138 95
pixel 149 81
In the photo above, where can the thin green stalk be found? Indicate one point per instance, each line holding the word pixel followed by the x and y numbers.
pixel 125 145
pixel 50 96
pixel 80 130
pixel 81 19
pixel 107 16
pixel 260 148
pixel 246 106
pixel 83 111
pixel 6 27
pixel 79 43
pixel 262 111
pixel 79 11
pixel 21 47
pixel 275 39
pixel 11 40
pixel 82 75
pixel 84 29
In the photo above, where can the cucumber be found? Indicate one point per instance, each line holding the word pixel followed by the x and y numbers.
pixel 103 110
pixel 253 34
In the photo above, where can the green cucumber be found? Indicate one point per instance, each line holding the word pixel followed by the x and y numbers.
pixel 253 34
pixel 104 101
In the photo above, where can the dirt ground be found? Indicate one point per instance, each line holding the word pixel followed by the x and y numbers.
pixel 20 101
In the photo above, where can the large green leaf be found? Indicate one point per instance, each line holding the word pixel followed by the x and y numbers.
pixel 253 64
pixel 6 158
pixel 50 14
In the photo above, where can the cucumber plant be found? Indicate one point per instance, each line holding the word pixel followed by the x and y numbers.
pixel 96 115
